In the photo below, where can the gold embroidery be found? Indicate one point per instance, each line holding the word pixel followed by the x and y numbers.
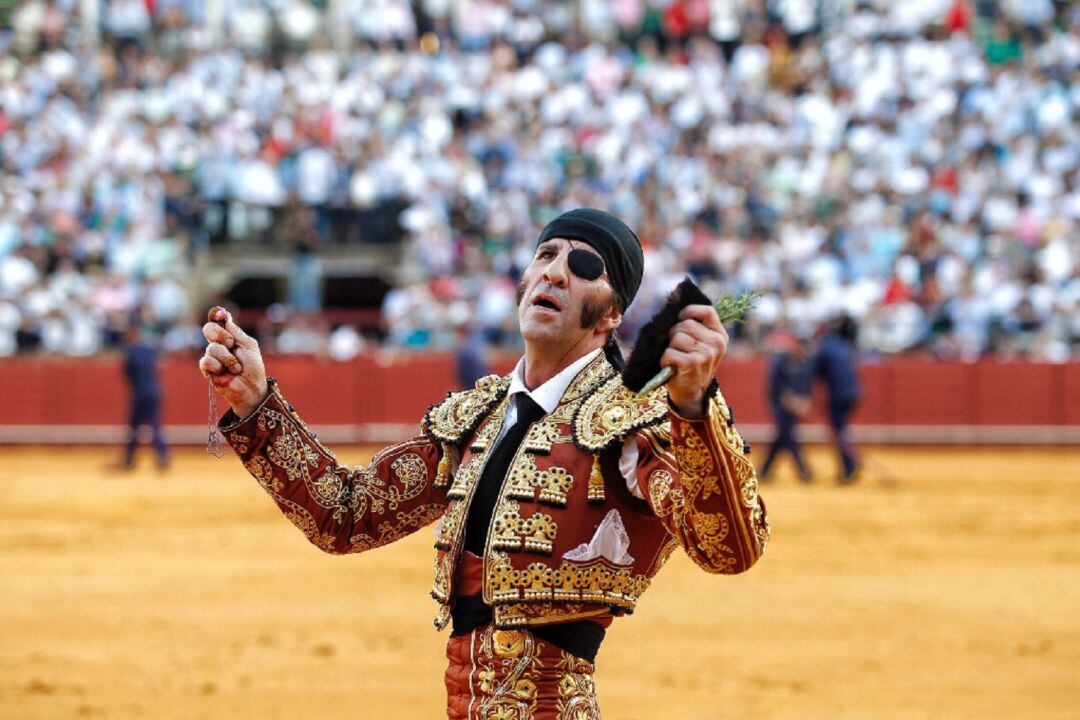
pixel 240 442
pixel 509 667
pixel 665 494
pixel 748 490
pixel 442 473
pixel 762 527
pixel 521 614
pixel 596 581
pixel 577 696
pixel 665 554
pixel 453 526
pixel 303 520
pixel 288 449
pixel 443 618
pixel 616 414
pixel 721 557
pixel 490 428
pixel 696 463
pixel 508 643
pixel 543 435
pixel 508 670
pixel 440 587
pixel 359 498
pixel 455 418
pixel 370 488
pixel 268 419
pixel 389 531
pixel 329 490
pixel 724 430
pixel 744 470
pixel 613 412
pixel 513 532
pixel 410 469
pixel 563 414
pixel 466 477
pixel 260 469
pixel 659 485
pixel 526 482
pixel 699 481
pixel 590 377
pixel 453 522
pixel 596 482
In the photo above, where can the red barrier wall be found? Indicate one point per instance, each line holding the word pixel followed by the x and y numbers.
pixel 385 389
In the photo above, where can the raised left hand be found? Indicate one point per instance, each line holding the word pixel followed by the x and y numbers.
pixel 697 345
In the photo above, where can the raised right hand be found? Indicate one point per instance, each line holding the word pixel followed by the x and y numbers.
pixel 233 363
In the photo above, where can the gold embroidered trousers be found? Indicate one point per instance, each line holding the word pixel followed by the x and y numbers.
pixel 513 675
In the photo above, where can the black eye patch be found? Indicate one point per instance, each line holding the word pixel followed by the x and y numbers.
pixel 584 264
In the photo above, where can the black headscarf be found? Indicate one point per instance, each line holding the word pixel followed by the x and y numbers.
pixel 609 236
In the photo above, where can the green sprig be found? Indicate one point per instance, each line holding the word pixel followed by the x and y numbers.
pixel 732 309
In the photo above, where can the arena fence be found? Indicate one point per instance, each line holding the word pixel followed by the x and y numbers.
pixel 380 397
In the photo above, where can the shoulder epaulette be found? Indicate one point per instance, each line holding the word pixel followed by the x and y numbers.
pixel 456 417
pixel 613 412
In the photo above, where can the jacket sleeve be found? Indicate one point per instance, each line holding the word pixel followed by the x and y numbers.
pixel 700 482
pixel 340 510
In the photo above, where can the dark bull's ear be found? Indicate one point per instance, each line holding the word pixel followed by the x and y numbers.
pixel 652 341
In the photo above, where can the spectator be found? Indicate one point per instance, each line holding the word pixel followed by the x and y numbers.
pixel 837 158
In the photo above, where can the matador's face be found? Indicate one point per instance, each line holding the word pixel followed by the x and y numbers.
pixel 557 301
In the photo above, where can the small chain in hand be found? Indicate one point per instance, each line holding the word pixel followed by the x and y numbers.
pixel 215 441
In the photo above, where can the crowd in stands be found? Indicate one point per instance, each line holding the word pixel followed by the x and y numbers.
pixel 915 165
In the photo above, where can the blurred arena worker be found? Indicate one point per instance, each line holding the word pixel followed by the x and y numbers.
pixel 559 493
pixel 836 363
pixel 140 370
pixel 789 399
pixel 470 362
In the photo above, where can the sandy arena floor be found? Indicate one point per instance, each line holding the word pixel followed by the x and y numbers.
pixel 953 593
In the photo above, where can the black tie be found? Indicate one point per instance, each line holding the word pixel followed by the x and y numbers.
pixel 498 463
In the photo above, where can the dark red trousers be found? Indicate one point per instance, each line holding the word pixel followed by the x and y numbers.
pixel 513 675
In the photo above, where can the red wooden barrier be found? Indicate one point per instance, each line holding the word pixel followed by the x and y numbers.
pixel 386 389
pixel 1070 394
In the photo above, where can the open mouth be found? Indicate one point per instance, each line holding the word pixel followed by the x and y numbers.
pixel 546 302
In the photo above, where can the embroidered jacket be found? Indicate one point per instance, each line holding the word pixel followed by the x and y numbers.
pixel 568 540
